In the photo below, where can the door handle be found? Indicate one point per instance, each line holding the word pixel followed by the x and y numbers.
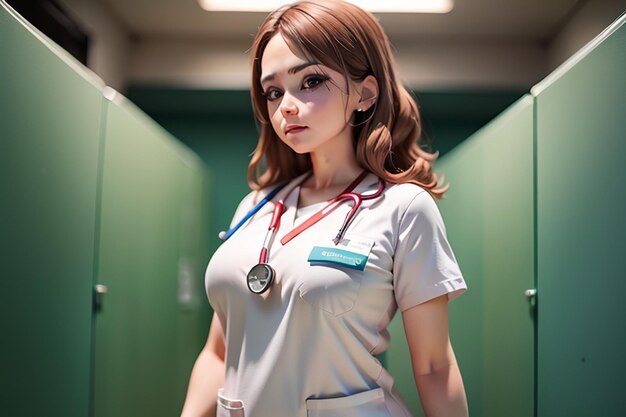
pixel 99 292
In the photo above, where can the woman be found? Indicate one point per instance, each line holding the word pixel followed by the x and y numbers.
pixel 300 315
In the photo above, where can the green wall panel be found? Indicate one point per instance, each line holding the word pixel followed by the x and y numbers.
pixel 463 169
pixel 153 321
pixel 193 319
pixel 508 258
pixel 50 120
pixel 225 148
pixel 467 235
pixel 488 212
pixel 580 233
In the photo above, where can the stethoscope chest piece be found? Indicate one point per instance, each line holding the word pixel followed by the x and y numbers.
pixel 260 278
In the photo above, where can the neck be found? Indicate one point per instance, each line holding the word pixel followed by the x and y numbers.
pixel 337 166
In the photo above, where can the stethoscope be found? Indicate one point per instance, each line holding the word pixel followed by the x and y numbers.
pixel 261 276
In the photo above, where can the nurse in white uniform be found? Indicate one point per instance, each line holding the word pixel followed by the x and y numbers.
pixel 340 232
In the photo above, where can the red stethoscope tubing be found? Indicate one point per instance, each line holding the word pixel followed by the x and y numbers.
pixel 279 209
pixel 332 205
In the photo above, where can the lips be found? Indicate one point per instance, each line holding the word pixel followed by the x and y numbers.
pixel 294 129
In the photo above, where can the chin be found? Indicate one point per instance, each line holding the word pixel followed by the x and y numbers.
pixel 301 151
pixel 300 148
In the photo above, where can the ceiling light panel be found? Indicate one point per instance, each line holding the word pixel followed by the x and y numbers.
pixel 375 6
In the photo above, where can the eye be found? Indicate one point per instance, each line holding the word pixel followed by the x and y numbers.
pixel 272 94
pixel 315 81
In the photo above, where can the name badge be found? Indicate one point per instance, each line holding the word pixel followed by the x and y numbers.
pixel 352 252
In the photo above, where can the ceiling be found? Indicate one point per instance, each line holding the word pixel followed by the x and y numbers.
pixel 529 20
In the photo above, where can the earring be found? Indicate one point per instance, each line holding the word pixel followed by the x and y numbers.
pixel 359 109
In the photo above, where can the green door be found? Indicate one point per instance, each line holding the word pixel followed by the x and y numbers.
pixel 581 198
pixel 50 133
pixel 489 217
pixel 153 319
pixel 488 212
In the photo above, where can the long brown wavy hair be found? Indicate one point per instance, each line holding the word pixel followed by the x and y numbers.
pixel 343 37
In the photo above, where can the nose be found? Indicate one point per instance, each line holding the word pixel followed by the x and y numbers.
pixel 288 106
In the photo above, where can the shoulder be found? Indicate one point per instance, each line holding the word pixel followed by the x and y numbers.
pixel 252 198
pixel 247 203
pixel 407 195
pixel 414 207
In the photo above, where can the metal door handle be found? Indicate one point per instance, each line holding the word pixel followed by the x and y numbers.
pixel 101 289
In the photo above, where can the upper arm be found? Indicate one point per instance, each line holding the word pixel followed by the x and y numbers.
pixel 426 328
pixel 216 342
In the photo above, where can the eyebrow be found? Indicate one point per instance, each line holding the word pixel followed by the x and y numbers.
pixel 292 70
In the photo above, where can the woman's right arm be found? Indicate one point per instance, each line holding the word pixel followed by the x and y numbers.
pixel 207 375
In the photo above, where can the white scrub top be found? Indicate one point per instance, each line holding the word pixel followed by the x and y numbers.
pixel 307 348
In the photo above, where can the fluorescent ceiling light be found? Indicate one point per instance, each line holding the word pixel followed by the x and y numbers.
pixel 375 6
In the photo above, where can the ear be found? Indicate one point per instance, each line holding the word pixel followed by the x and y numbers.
pixel 368 92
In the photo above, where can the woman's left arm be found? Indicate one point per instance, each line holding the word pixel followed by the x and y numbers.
pixel 435 369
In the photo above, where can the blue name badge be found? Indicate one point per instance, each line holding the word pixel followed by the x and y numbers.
pixel 336 256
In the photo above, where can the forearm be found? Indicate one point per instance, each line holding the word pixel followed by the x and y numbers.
pixel 206 378
pixel 442 393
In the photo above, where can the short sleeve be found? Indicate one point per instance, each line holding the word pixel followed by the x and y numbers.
pixel 424 265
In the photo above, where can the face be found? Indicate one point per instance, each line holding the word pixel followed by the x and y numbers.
pixel 307 102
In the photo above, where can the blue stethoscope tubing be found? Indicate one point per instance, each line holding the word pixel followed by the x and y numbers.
pixel 225 235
